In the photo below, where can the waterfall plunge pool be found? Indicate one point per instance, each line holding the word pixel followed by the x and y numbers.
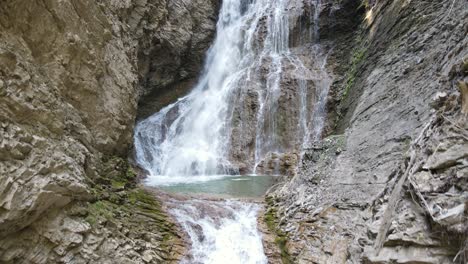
pixel 249 186
pixel 219 215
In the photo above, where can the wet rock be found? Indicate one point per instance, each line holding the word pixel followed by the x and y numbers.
pixel 278 164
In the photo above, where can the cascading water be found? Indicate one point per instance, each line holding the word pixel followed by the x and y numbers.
pixel 221 232
pixel 256 99
pixel 189 137
pixel 211 131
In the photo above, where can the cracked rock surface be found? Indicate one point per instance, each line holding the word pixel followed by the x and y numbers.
pixel 388 185
pixel 71 75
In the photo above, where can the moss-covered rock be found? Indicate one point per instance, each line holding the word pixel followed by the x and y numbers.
pixel 272 222
pixel 127 210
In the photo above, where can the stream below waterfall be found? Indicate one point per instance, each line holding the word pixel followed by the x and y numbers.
pixel 220 231
pixel 257 104
pixel 219 215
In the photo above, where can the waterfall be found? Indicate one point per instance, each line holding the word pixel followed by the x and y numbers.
pixel 255 99
pixel 259 97
pixel 189 136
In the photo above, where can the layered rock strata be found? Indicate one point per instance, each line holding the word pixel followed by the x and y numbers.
pixel 71 73
pixel 389 184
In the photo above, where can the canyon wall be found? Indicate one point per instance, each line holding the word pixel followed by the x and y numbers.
pixel 71 74
pixel 389 183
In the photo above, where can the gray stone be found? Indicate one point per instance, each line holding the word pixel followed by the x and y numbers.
pixel 447 158
pixel 71 75
pixel 385 96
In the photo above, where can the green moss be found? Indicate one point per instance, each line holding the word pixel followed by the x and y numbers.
pixel 130 173
pixel 270 219
pixel 118 184
pixel 142 197
pixel 281 240
pixel 119 200
pixel 356 59
pixel 100 210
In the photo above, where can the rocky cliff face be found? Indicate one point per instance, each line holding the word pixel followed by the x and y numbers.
pixel 71 73
pixel 171 55
pixel 389 184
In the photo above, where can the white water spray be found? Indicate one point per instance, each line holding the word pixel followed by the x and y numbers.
pixel 192 138
pixel 187 137
pixel 221 232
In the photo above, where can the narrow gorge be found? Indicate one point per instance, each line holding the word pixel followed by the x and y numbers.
pixel 234 131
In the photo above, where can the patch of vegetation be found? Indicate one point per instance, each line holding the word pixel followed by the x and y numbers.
pixel 334 142
pixel 100 210
pixel 281 240
pixel 118 184
pixel 356 59
pixel 119 202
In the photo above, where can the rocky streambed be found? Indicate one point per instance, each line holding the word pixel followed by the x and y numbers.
pixel 222 227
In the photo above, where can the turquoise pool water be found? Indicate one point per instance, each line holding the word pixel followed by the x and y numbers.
pixel 236 186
